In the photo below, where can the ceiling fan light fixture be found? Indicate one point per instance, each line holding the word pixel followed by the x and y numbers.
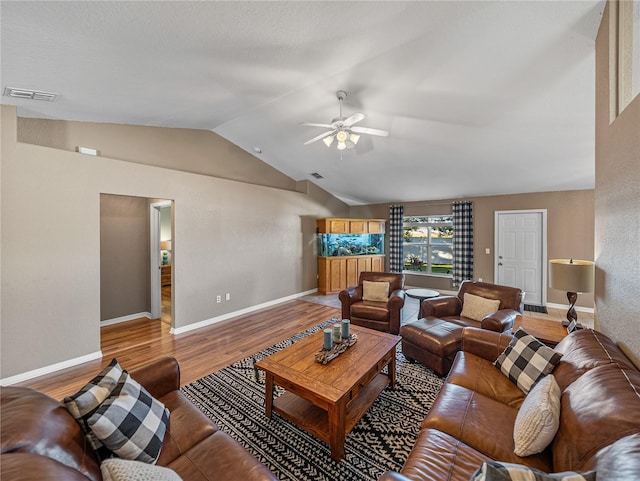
pixel 354 138
pixel 342 145
pixel 342 136
pixel 328 140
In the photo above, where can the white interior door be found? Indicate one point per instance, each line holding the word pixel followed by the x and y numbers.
pixel 521 252
pixel 156 261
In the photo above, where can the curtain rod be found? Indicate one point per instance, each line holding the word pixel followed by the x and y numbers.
pixel 427 205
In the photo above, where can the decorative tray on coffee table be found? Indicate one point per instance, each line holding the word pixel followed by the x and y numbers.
pixel 325 355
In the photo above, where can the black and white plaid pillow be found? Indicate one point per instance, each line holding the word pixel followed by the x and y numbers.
pixel 497 471
pixel 131 423
pixel 84 403
pixel 526 360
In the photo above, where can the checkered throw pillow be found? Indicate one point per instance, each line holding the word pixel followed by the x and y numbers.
pixel 497 471
pixel 84 403
pixel 131 423
pixel 526 360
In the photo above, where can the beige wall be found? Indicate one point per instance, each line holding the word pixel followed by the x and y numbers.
pixel 124 256
pixel 196 151
pixel 617 206
pixel 255 242
pixel 569 230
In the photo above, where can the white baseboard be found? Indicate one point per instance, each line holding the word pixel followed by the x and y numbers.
pixel 130 317
pixel 229 315
pixel 25 376
pixel 566 307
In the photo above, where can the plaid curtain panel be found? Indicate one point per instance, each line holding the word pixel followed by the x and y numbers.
pixel 462 242
pixel 395 238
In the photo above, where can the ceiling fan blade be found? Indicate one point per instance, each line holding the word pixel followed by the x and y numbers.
pixel 320 137
pixel 366 130
pixel 357 117
pixel 326 126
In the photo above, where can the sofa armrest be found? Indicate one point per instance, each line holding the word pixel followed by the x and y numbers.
pixel 485 344
pixel 499 321
pixel 159 377
pixel 440 307
pixel 396 299
pixel 393 476
pixel 347 297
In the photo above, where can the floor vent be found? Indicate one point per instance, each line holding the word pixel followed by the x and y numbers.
pixel 29 94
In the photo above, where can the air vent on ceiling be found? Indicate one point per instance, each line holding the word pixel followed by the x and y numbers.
pixel 29 94
pixel 316 175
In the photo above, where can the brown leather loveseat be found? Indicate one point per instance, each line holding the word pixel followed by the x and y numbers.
pixel 41 440
pixel 472 419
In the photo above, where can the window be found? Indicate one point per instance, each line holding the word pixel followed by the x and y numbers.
pixel 428 245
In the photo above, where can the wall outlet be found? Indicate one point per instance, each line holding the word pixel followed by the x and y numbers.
pixel 227 297
pixel 487 251
pixel 219 299
pixel 479 279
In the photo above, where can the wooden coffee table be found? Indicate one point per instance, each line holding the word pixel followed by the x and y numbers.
pixel 328 400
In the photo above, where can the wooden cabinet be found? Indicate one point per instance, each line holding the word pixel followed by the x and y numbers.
pixel 334 225
pixel 337 271
pixel 165 275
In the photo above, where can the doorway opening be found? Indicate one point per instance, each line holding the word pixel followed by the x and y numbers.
pixel 131 260
pixel 161 260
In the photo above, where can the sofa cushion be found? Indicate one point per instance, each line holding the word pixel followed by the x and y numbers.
pixel 131 423
pixel 478 374
pixel 34 423
pixel 600 407
pixel 476 307
pixel 526 360
pixel 187 427
pixel 440 456
pixel 498 471
pixel 469 416
pixel 583 350
pixel 538 418
pixel 84 403
pixel 116 469
pixel 375 291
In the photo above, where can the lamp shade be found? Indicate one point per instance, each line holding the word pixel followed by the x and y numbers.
pixel 165 245
pixel 571 275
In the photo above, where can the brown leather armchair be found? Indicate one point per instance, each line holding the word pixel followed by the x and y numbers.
pixel 449 308
pixel 382 316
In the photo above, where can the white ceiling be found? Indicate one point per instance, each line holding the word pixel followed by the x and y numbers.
pixel 480 97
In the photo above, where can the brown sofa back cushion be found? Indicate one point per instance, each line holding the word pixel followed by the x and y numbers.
pixel 34 423
pixel 599 408
pixel 396 281
pixel 509 297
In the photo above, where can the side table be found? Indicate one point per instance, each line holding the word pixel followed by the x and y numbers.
pixel 545 330
pixel 421 294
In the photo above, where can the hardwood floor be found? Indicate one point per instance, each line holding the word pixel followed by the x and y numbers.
pixel 199 353
pixel 209 349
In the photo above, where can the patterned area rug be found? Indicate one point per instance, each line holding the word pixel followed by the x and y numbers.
pixel 234 399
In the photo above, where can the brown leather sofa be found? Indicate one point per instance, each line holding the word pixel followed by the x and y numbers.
pixel 41 440
pixel 472 419
pixel 434 339
pixel 381 316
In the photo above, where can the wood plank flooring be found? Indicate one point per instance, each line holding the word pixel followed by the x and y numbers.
pixel 199 353
pixel 209 349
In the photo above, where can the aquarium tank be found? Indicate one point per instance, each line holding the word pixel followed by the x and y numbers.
pixel 335 245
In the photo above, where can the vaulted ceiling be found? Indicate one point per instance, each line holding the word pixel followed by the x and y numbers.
pixel 479 97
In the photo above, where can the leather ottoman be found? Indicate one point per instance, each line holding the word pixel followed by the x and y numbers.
pixel 433 342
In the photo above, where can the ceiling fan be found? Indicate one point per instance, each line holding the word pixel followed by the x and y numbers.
pixel 343 129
